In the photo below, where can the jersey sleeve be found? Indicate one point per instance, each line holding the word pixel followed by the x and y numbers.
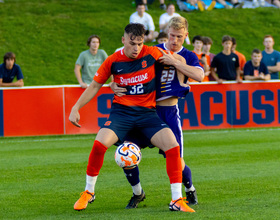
pixel 247 69
pixel 80 60
pixel 19 73
pixel 104 71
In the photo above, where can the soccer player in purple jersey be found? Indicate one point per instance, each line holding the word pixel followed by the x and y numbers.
pixel 170 87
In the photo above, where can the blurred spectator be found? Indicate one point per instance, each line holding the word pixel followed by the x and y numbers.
pixel 274 2
pixel 226 63
pixel 89 61
pixel 207 43
pixel 255 69
pixel 162 38
pixel 190 5
pixel 142 17
pixel 258 3
pixel 204 60
pixel 9 70
pixel 165 17
pixel 162 5
pixel 271 57
pixel 241 57
pixel 234 3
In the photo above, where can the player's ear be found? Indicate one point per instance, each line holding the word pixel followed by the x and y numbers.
pixel 123 39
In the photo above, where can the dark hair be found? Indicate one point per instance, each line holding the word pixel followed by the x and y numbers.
pixel 233 41
pixel 197 37
pixel 207 40
pixel 93 36
pixel 162 35
pixel 226 38
pixel 256 51
pixel 139 3
pixel 169 5
pixel 9 55
pixel 135 29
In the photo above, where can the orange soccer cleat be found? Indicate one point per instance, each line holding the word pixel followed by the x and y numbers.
pixel 86 197
pixel 179 205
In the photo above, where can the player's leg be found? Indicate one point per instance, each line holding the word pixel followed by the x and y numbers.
pixel 104 139
pixel 166 141
pixel 170 115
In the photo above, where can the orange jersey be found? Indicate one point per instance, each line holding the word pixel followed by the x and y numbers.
pixel 136 75
pixel 208 59
pixel 241 58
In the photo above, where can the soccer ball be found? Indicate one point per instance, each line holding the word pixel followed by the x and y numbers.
pixel 128 155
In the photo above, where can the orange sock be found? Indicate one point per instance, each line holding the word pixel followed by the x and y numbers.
pixel 173 165
pixel 96 158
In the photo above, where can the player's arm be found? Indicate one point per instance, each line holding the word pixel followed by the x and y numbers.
pixel 87 95
pixel 77 72
pixel 175 60
pixel 238 75
pixel 215 76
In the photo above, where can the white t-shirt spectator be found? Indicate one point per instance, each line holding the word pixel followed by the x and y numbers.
pixel 165 17
pixel 146 20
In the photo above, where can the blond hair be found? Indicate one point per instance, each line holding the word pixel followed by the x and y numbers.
pixel 178 23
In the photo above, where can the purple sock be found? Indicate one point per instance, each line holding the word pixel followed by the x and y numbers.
pixel 132 175
pixel 187 177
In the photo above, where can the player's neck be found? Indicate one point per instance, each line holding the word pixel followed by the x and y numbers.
pixel 93 52
pixel 269 50
pixel 226 52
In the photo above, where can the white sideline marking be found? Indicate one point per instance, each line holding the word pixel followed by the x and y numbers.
pixel 3 141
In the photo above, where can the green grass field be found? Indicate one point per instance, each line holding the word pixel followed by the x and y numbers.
pixel 236 174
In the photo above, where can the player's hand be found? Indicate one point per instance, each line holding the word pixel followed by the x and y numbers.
pixel 119 91
pixel 167 58
pixel 220 81
pixel 74 117
pixel 239 80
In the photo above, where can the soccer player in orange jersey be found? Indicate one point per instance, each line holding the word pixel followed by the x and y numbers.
pixel 133 68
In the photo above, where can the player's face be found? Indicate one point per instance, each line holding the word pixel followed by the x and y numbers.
pixel 140 9
pixel 10 63
pixel 256 58
pixel 176 39
pixel 268 42
pixel 132 46
pixel 170 10
pixel 94 44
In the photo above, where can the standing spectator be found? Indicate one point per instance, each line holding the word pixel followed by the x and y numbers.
pixel 226 63
pixel 165 17
pixel 207 43
pixel 271 57
pixel 241 57
pixel 9 70
pixel 142 17
pixel 255 69
pixel 162 4
pixel 204 60
pixel 89 61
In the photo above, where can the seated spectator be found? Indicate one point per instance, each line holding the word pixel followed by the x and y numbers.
pixel 190 5
pixel 162 38
pixel 165 17
pixel 89 61
pixel 142 17
pixel 162 5
pixel 204 60
pixel 271 57
pixel 207 43
pixel 274 2
pixel 255 69
pixel 9 70
pixel 234 3
pixel 226 63
pixel 241 57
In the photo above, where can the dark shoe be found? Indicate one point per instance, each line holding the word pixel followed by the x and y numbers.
pixel 163 6
pixel 191 198
pixel 135 200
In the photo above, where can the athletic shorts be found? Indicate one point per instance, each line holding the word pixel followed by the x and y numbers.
pixel 170 115
pixel 123 119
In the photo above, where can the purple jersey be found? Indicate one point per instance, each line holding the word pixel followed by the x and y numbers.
pixel 167 83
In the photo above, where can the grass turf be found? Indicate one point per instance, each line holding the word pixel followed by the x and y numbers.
pixel 236 174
